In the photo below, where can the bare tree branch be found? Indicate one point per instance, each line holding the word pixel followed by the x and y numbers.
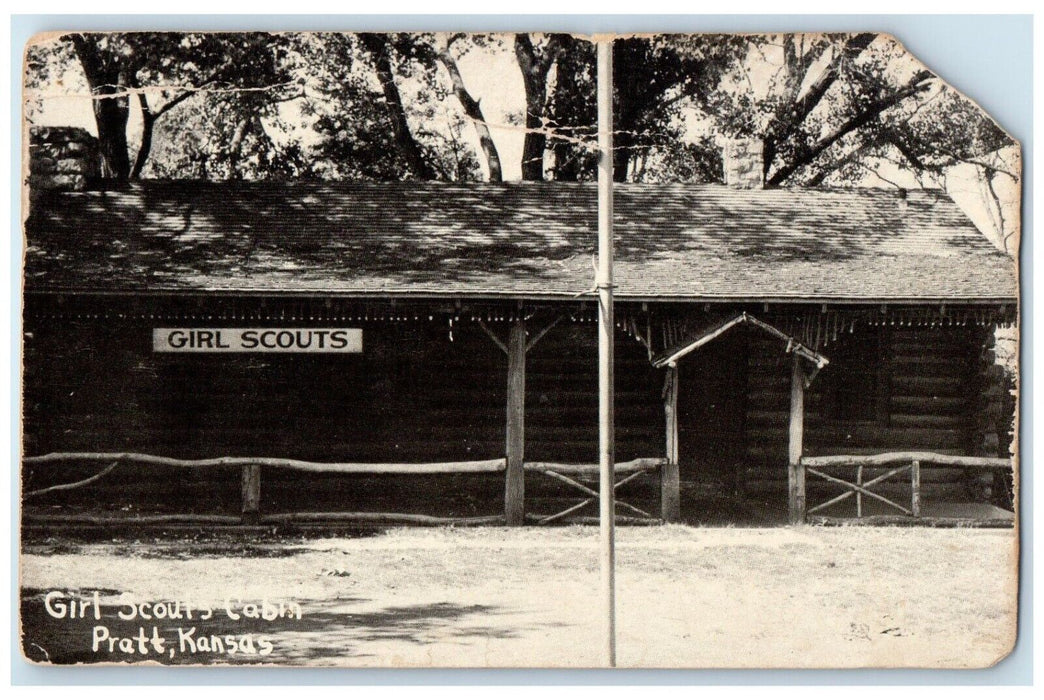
pixel 786 124
pixel 919 83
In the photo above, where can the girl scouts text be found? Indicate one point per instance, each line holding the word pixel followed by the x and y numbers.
pixel 347 340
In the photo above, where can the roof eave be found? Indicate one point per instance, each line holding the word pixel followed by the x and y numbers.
pixel 494 295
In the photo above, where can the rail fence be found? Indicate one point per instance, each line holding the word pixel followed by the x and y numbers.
pixel 849 472
pixel 251 467
pixel 835 468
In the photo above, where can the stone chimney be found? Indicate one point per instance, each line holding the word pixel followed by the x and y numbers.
pixel 744 160
pixel 62 158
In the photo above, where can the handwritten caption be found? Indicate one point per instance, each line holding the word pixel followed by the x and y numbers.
pixel 169 628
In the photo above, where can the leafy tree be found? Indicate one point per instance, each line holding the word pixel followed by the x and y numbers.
pixel 110 79
pixel 472 107
pixel 654 78
pixel 380 47
pixel 835 109
pixel 535 61
pixel 571 114
pixel 368 127
pixel 227 138
pixel 837 102
pixel 157 72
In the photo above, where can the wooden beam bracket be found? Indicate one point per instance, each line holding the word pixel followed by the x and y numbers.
pixel 671 356
pixel 493 336
pixel 539 336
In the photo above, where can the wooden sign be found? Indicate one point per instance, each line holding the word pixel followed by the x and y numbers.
pixel 280 340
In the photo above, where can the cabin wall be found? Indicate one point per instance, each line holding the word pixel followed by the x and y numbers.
pixel 562 398
pixel 887 388
pixel 424 391
pixel 413 395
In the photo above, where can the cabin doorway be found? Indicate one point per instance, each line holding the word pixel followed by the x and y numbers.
pixel 705 401
pixel 712 407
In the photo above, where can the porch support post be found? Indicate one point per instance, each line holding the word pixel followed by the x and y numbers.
pixel 251 492
pixel 515 485
pixel 915 488
pixel 670 495
pixel 796 470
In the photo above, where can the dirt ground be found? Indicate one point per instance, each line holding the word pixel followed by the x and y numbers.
pixel 687 597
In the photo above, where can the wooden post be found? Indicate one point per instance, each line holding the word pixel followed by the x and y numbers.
pixel 670 495
pixel 796 470
pixel 915 489
pixel 251 491
pixel 859 494
pixel 604 282
pixel 515 479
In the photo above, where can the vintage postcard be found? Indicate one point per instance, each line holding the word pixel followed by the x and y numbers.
pixel 515 350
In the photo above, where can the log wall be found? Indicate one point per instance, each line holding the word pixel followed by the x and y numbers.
pixel 916 387
pixel 416 395
pixel 413 395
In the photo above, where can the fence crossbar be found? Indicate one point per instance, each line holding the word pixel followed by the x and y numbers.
pixel 864 489
pixel 592 495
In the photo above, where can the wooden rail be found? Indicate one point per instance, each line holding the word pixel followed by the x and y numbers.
pixel 888 458
pixel 488 465
pixel 923 521
pixel 251 487
pixel 273 519
pixel 642 464
pixel 899 462
pixel 860 489
pixel 163 519
pixel 379 518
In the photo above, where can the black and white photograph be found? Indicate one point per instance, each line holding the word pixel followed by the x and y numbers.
pixel 501 350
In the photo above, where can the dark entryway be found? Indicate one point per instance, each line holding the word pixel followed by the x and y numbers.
pixel 711 413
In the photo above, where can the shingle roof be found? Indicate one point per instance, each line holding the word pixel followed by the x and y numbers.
pixel 521 240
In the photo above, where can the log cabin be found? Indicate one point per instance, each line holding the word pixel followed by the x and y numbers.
pixel 171 324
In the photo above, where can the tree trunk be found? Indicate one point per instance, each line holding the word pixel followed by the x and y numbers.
pixel 535 69
pixel 474 112
pixel 627 111
pixel 111 105
pixel 148 123
pixel 235 151
pixel 149 117
pixel 622 155
pixel 377 46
